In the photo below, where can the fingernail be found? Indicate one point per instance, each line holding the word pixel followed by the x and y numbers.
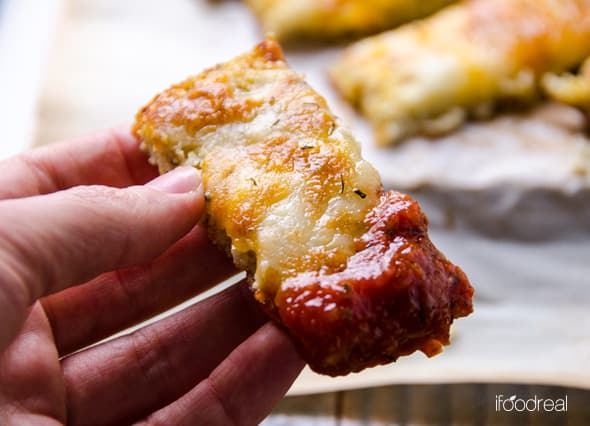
pixel 178 181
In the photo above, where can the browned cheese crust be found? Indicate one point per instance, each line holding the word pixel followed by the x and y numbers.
pixel 345 268
pixel 313 20
pixel 429 76
pixel 571 89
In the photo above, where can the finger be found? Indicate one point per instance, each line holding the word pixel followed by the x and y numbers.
pixel 31 389
pixel 243 389
pixel 114 301
pixel 110 158
pixel 54 241
pixel 131 376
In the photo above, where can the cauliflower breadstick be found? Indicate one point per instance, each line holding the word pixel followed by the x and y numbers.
pixel 291 20
pixel 569 88
pixel 346 268
pixel 427 77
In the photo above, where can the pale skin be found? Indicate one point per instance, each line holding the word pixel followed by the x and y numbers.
pixel 92 242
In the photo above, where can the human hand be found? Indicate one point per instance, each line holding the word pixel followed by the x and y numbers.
pixel 72 213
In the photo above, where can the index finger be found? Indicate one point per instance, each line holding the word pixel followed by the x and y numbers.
pixel 111 157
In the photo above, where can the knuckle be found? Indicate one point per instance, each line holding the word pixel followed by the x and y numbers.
pixel 97 195
pixel 109 210
pixel 228 417
pixel 23 274
pixel 151 357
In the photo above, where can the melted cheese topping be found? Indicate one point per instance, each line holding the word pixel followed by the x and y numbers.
pixel 318 19
pixel 287 188
pixel 427 77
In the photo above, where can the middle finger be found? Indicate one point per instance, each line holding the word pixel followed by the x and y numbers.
pixel 129 377
pixel 114 301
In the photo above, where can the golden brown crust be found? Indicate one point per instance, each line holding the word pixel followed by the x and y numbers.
pixel 571 89
pixel 268 147
pixel 428 77
pixel 289 196
pixel 312 20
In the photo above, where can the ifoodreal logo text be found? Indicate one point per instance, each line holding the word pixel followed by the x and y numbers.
pixel 533 404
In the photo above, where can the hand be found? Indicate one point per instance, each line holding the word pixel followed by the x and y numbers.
pixel 216 362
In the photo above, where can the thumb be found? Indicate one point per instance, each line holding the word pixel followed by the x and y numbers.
pixel 53 241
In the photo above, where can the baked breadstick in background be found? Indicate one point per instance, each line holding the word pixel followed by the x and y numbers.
pixel 571 89
pixel 429 76
pixel 314 20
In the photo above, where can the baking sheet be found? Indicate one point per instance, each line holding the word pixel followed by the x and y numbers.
pixel 487 189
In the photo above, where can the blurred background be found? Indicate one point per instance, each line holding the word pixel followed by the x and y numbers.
pixel 70 67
